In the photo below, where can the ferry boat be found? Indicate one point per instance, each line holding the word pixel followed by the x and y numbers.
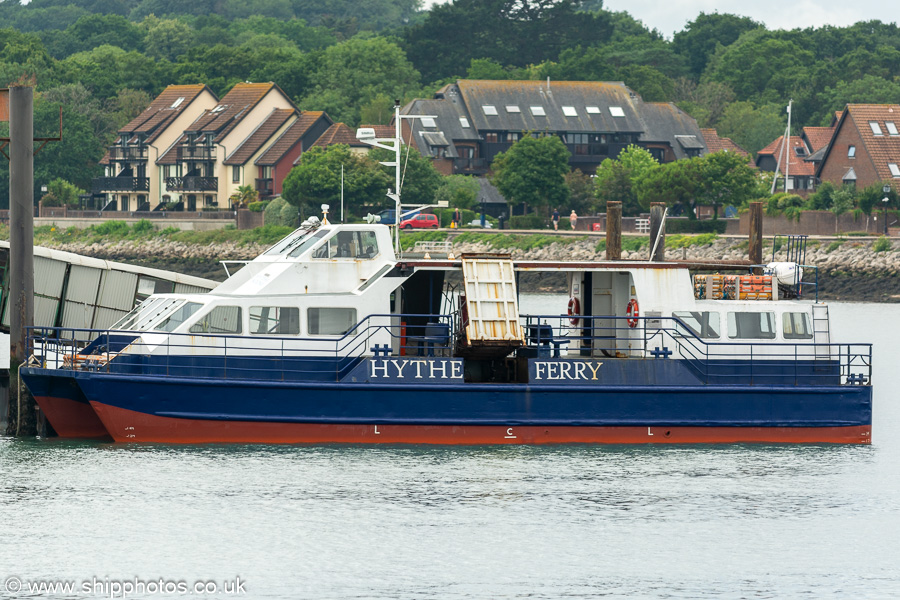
pixel 330 336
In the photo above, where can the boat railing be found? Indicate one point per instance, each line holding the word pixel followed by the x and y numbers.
pixel 712 361
pixel 325 357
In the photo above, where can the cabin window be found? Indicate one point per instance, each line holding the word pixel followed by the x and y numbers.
pixel 701 324
pixel 751 325
pixel 330 321
pixel 300 247
pixel 274 320
pixel 221 319
pixel 349 244
pixel 795 326
pixel 178 317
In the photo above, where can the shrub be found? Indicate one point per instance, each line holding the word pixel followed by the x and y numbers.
pixel 882 244
pixel 695 226
pixel 279 212
pixel 111 228
pixel 143 227
pixel 258 206
pixel 834 246
pixel 531 221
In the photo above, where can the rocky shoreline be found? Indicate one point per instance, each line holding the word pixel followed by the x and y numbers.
pixel 849 269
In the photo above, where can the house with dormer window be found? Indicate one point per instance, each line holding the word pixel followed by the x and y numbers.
pixel 865 147
pixel 789 157
pixel 469 122
pixel 197 174
pixel 132 178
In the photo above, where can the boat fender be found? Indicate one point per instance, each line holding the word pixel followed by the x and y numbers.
pixel 574 310
pixel 632 312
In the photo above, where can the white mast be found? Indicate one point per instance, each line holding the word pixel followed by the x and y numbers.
pixel 782 154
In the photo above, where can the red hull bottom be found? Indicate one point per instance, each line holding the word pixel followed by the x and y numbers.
pixel 130 426
pixel 70 418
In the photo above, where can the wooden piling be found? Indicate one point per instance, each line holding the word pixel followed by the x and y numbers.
pixel 657 231
pixel 755 247
pixel 613 230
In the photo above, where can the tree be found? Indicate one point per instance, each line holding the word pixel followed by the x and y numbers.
pixel 354 72
pixel 61 193
pixel 752 128
pixel 166 38
pixel 699 39
pixel 870 89
pixel 725 178
pixel 581 192
pixel 616 180
pixel 317 180
pixel 841 202
pixel 244 195
pixel 419 180
pixel 674 183
pixel 533 172
pixel 458 191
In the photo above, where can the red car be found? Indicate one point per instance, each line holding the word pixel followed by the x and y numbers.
pixel 420 221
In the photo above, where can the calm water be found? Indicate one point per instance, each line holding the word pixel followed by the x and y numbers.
pixel 504 522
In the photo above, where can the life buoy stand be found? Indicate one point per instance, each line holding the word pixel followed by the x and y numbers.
pixel 632 312
pixel 574 310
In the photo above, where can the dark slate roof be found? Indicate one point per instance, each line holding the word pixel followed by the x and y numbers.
pixel 489 192
pixel 609 98
pixel 290 138
pixel 163 110
pixel 665 122
pixel 260 136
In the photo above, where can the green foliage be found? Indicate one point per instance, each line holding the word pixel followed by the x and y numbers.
pixel 259 206
pixel 458 190
pixel 834 246
pixel 143 227
pixel 354 72
pixel 515 241
pixel 632 243
pixel 700 38
pixel 244 196
pixel 581 192
pixel 532 221
pixel 408 239
pixel 418 177
pixel 619 179
pixel 788 205
pixel 111 228
pixel 841 202
pixel 272 214
pixel 317 180
pixel 751 127
pixel 445 215
pixel 61 193
pixel 686 241
pixel 675 183
pixel 882 244
pixel 533 172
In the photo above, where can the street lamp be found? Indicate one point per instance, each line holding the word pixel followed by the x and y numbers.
pixel 884 202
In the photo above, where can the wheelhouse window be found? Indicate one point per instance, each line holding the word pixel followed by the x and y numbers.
pixel 349 244
pixel 700 324
pixel 221 319
pixel 295 238
pixel 178 317
pixel 330 321
pixel 751 325
pixel 795 326
pixel 274 320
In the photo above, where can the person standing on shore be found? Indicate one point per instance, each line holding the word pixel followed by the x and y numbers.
pixel 573 219
pixel 555 219
pixel 457 217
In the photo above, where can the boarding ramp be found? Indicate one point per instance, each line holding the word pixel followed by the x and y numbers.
pixel 490 311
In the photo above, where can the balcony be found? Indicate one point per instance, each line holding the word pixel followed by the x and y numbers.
pixel 470 165
pixel 265 187
pixel 127 153
pixel 100 185
pixel 192 183
pixel 196 153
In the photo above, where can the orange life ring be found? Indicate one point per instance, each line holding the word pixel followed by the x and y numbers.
pixel 632 313
pixel 574 310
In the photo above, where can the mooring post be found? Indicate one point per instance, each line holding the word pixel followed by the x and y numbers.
pixel 21 242
pixel 755 246
pixel 657 231
pixel 613 230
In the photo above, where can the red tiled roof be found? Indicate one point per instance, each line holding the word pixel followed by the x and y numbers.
pixel 163 109
pixel 818 137
pixel 339 133
pixel 235 105
pixel 714 143
pixel 882 149
pixel 260 136
pixel 287 140
pixel 796 164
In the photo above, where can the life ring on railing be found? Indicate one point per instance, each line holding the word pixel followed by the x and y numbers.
pixel 632 312
pixel 574 310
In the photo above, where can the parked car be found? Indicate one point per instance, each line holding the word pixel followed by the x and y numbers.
pixel 420 222
pixel 386 217
pixel 477 223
